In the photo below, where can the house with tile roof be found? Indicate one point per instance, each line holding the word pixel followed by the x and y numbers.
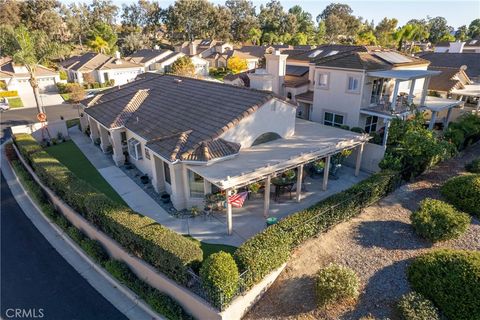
pixel 192 138
pixel 16 77
pixel 470 62
pixel 469 46
pixel 101 68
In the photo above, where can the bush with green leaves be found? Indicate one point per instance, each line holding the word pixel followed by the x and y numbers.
pixel 450 279
pixel 169 252
pixel 269 249
pixel 27 145
pixel 473 167
pixel 220 278
pixel 464 193
pixel 436 220
pixel 464 131
pixel 335 283
pixel 94 249
pixel 414 306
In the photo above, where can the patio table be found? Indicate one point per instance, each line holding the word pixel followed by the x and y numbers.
pixel 282 184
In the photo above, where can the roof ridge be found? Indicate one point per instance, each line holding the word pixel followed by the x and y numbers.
pixel 135 102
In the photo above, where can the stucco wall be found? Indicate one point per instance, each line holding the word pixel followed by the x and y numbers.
pixel 336 98
pixel 143 164
pixel 274 116
pixel 372 155
pixel 35 129
pixel 120 76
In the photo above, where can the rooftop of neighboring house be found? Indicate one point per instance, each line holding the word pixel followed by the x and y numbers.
pixel 178 126
pixel 200 45
pixel 9 69
pixel 473 42
pixel 242 76
pixel 449 79
pixel 455 60
pixel 368 58
pixel 142 56
pixel 296 76
pixel 96 61
pixel 321 51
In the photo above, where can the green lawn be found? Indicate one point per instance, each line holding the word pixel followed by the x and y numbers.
pixel 65 96
pixel 209 248
pixel 15 103
pixel 69 154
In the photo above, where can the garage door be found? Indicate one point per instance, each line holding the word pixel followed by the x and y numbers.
pixel 47 85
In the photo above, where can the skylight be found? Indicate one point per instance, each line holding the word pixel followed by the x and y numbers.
pixel 331 53
pixel 315 53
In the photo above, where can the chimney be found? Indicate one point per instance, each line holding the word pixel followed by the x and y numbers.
pixel 156 47
pixel 276 65
pixel 192 48
pixel 117 54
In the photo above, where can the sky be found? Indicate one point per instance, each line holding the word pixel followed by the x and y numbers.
pixel 457 13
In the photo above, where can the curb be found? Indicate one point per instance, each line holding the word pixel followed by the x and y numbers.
pixel 143 311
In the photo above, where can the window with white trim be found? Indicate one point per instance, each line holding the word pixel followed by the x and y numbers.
pixel 353 84
pixel 196 184
pixel 322 80
pixel 371 124
pixel 134 148
pixel 333 119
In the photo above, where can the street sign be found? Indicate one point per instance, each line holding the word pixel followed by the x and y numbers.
pixel 42 117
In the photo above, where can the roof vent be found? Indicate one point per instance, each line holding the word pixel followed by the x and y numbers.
pixel 176 80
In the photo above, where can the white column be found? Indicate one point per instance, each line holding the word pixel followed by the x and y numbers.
pixel 359 159
pixel 478 105
pixel 410 93
pixel 266 201
pixel 118 156
pixel 229 214
pixel 94 134
pixel 326 171
pixel 447 119
pixel 385 133
pixel 299 182
pixel 395 94
pixel 104 142
pixel 432 120
pixel 426 83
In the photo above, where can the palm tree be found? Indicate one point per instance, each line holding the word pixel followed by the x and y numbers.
pixel 29 49
pixel 410 33
pixel 99 45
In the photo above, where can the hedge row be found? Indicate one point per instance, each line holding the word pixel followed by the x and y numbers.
pixel 451 279
pixel 463 192
pixel 464 131
pixel 161 247
pixel 158 301
pixel 8 94
pixel 269 249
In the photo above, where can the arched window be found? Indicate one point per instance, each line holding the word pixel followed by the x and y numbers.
pixel 266 137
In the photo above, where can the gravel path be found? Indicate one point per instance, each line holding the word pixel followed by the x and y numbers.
pixel 378 245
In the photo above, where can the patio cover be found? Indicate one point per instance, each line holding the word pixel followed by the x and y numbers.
pixel 439 104
pixel 471 90
pixel 403 75
pixel 311 141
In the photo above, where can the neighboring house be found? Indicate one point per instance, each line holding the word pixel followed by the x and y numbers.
pixel 209 53
pixel 469 46
pixel 150 59
pixel 470 62
pixel 98 67
pixel 16 77
pixel 229 138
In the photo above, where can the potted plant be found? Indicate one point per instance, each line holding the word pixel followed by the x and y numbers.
pixel 97 141
pixel 319 166
pixel 144 179
pixel 289 174
pixel 337 161
pixel 254 187
pixel 165 198
pixel 194 211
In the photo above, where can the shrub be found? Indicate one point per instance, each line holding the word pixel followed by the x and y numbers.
pixel 8 94
pixel 473 167
pixel 220 278
pixel 63 75
pixel 169 252
pixel 464 193
pixel 439 221
pixel 414 306
pixel 27 145
pixel 94 249
pixel 335 283
pixel 464 131
pixel 451 279
pixel 270 248
pixel 75 234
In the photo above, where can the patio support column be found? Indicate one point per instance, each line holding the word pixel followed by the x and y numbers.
pixel 299 182
pixel 359 159
pixel 426 83
pixel 326 171
pixel 478 105
pixel 104 141
pixel 266 202
pixel 395 94
pixel 447 119
pixel 385 133
pixel 410 93
pixel 94 134
pixel 229 214
pixel 432 120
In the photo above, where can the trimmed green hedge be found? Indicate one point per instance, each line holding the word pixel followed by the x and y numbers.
pixel 451 279
pixel 335 283
pixel 220 278
pixel 269 249
pixel 414 306
pixel 27 145
pixel 439 221
pixel 8 94
pixel 169 252
pixel 464 193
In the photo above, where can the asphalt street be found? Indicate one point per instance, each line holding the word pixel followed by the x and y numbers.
pixel 21 116
pixel 35 277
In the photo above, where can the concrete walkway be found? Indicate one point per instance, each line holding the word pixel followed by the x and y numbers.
pixel 211 230
pixel 122 298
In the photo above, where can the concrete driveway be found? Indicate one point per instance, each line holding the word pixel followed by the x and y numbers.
pixel 46 98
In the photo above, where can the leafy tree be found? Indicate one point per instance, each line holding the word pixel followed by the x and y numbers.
pixel 474 28
pixel 10 13
pixel 183 66
pixel 366 38
pixel 340 24
pixel 43 15
pixel 99 45
pixel 270 18
pixel 220 23
pixel 237 65
pixel 28 48
pixel 133 17
pixel 133 42
pixel 461 33
pixel 77 19
pixel 243 19
pixel 305 26
pixel 103 11
pixel 254 35
pixel 410 33
pixel 299 39
pixel 384 32
pixel 438 29
pixel 101 33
